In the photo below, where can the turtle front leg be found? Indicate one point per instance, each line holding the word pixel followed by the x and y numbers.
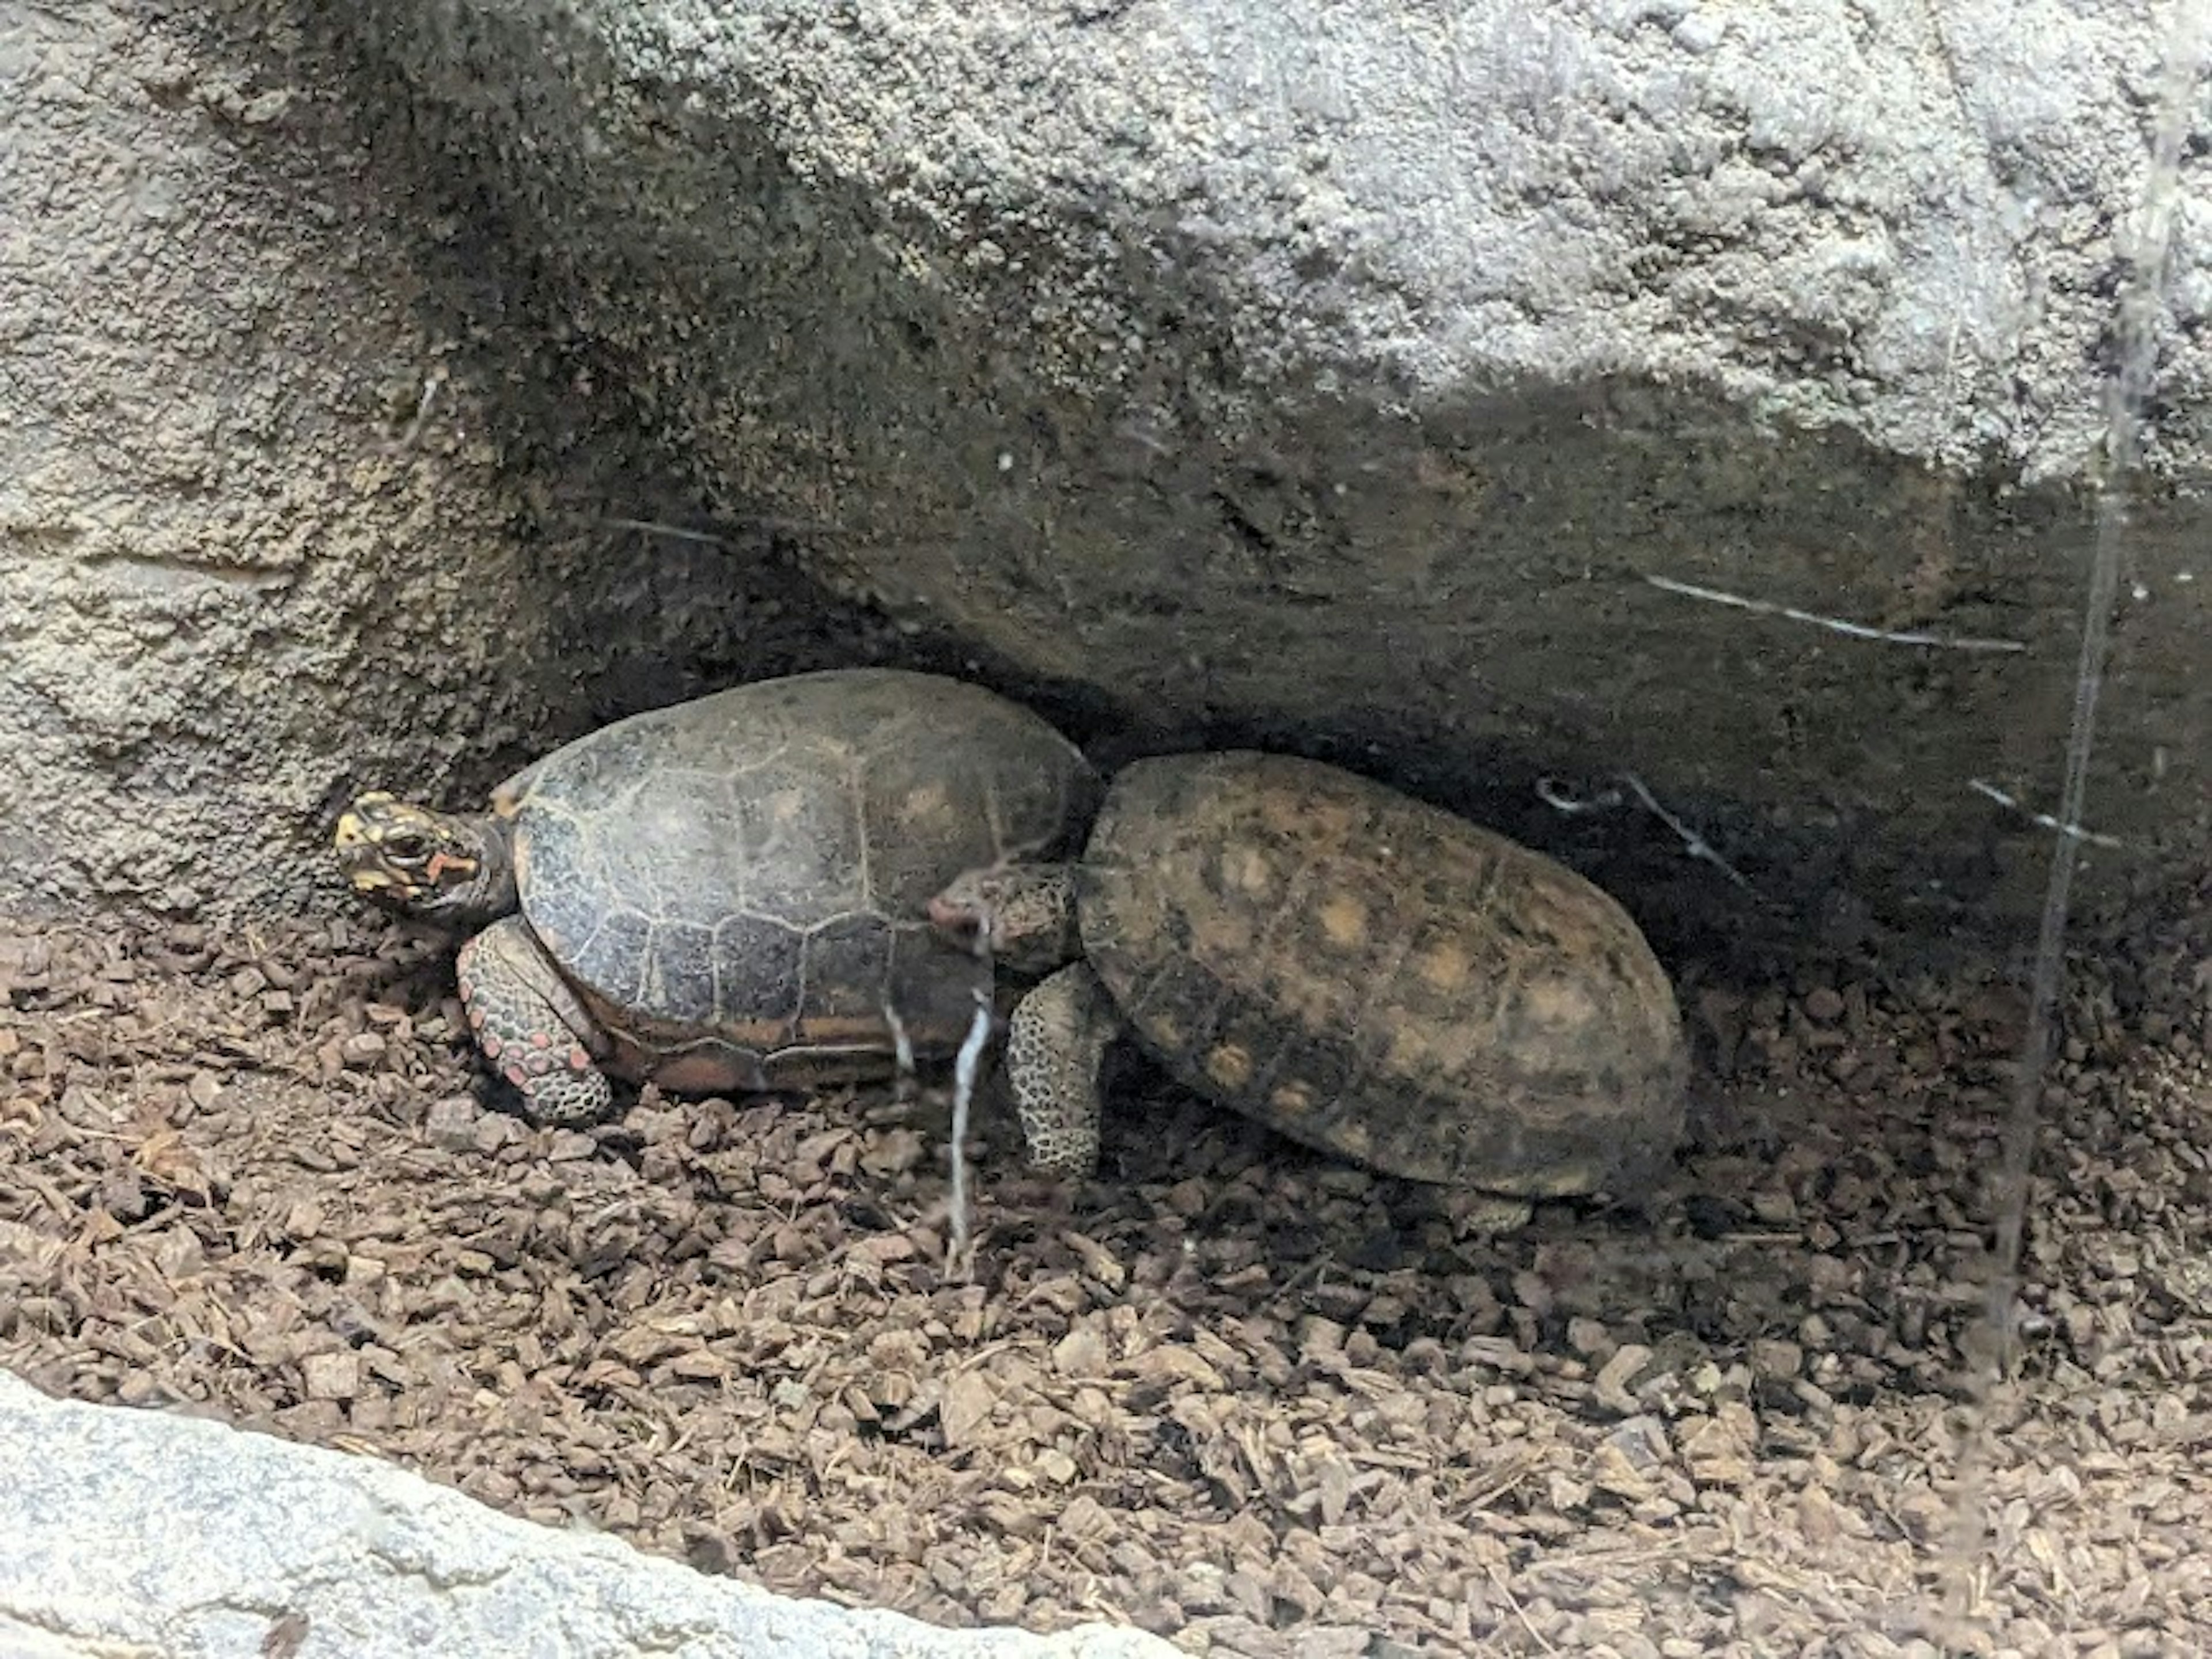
pixel 532 1026
pixel 1056 1043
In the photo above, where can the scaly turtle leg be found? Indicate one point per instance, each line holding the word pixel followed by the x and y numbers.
pixel 1056 1044
pixel 1487 1215
pixel 532 1026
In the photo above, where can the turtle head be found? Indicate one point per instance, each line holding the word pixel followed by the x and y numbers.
pixel 1021 914
pixel 437 866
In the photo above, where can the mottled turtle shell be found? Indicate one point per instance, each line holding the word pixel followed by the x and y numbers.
pixel 1380 979
pixel 739 885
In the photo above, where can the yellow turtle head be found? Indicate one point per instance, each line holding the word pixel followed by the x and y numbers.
pixel 441 866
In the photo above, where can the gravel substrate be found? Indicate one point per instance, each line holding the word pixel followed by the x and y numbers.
pixel 1231 1392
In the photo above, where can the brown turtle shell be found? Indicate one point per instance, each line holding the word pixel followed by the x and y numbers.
pixel 1380 979
pixel 739 885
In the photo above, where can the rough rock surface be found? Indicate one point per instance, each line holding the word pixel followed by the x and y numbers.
pixel 1340 374
pixel 1328 377
pixel 281 507
pixel 207 1543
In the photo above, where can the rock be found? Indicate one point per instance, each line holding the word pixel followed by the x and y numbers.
pixel 138 1529
pixel 261 521
pixel 452 1122
pixel 1338 376
pixel 1613 1377
pixel 1397 383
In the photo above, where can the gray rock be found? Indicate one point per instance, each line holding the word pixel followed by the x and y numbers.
pixel 1367 380
pixel 1346 375
pixel 137 1532
pixel 264 528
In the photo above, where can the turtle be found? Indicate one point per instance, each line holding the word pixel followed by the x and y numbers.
pixel 1363 972
pixel 730 893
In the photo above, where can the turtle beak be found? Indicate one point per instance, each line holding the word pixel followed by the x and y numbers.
pixel 356 853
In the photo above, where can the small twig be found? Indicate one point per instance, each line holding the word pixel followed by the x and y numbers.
pixel 653 528
pixel 902 1050
pixel 1311 1270
pixel 768 522
pixel 432 383
pixel 2044 819
pixel 1834 625
pixel 1498 1580
pixel 1694 843
pixel 1560 801
pixel 963 1091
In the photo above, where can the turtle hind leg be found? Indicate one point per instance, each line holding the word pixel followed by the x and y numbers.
pixel 1056 1044
pixel 532 1026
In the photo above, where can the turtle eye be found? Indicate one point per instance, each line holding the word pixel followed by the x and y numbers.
pixel 408 846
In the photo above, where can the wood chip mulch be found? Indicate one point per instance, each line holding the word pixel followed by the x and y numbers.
pixel 1231 1392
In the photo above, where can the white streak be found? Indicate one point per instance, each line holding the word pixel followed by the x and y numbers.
pixel 2073 830
pixel 1694 843
pixel 964 1068
pixel 1834 625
